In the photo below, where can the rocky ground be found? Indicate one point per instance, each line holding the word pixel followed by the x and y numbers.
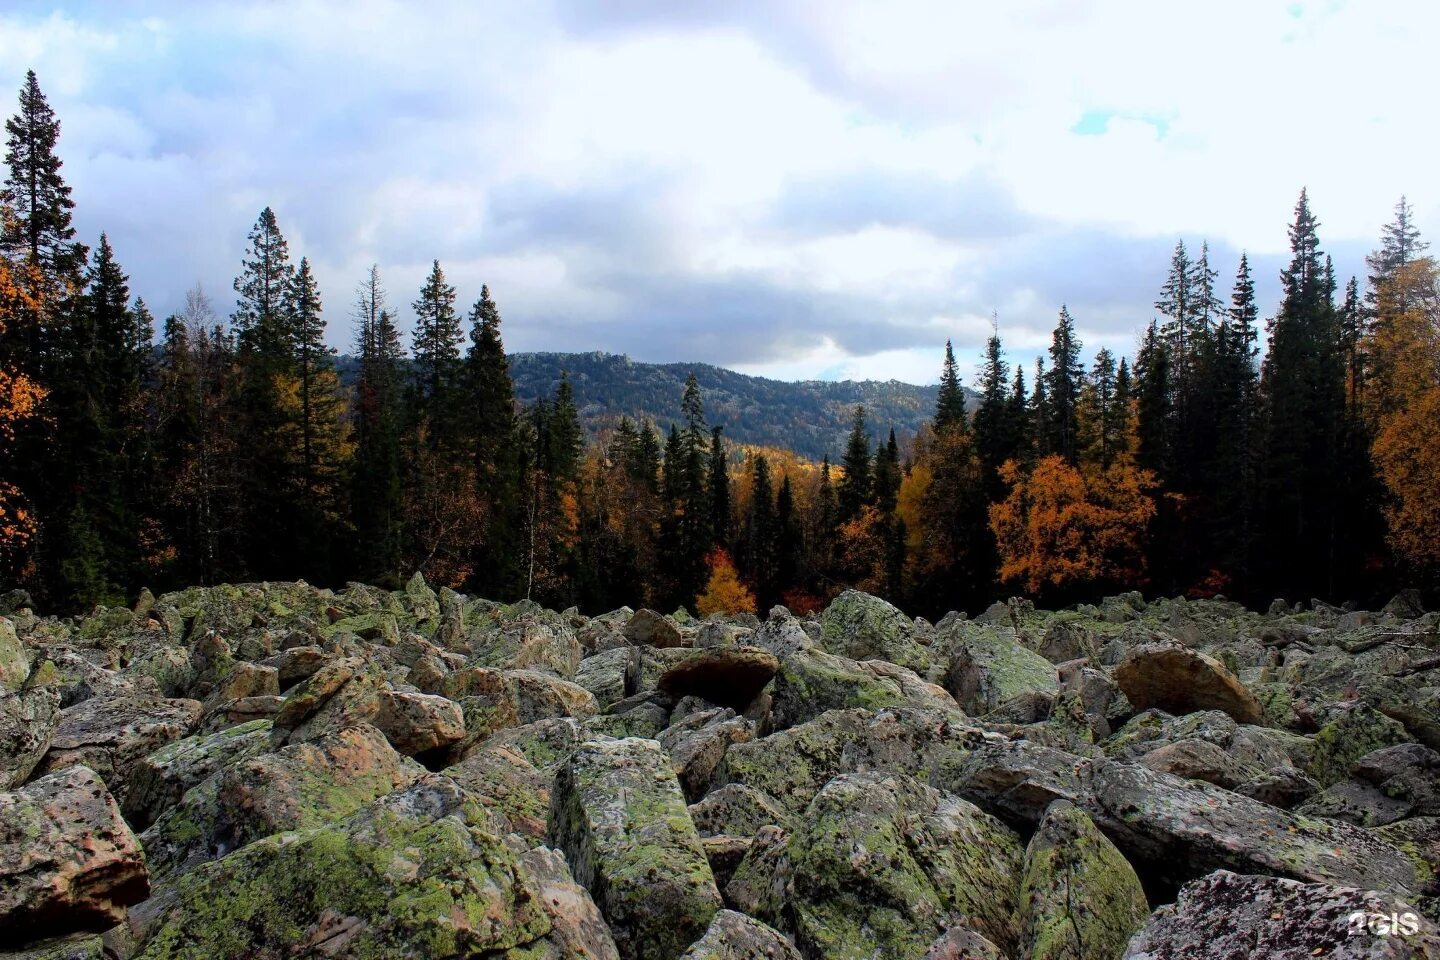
pixel 273 770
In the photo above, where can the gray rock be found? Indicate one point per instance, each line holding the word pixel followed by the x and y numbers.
pixel 734 936
pixel 68 862
pixel 1279 919
pixel 858 626
pixel 27 726
pixel 619 815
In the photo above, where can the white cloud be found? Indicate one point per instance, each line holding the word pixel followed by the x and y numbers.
pixel 624 181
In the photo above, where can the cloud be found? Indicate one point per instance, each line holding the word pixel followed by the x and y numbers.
pixel 808 189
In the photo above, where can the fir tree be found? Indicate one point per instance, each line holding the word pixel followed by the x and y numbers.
pixel 437 355
pixel 563 438
pixel 855 488
pixel 887 474
pixel 1400 245
pixel 377 495
pixel 1154 424
pixel 35 192
pixel 494 439
pixel 1063 383
pixel 994 434
pixel 762 533
pixel 719 480
pixel 950 404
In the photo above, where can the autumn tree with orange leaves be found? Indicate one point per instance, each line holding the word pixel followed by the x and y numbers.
pixel 20 400
pixel 1404 399
pixel 1061 530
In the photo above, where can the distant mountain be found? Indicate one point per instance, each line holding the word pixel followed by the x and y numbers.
pixel 811 417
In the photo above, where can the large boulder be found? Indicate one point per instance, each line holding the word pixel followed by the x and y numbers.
pixel 619 815
pixel 420 872
pixel 860 627
pixel 735 810
pixel 530 643
pixel 14 660
pixel 511 787
pixel 1229 915
pixel 698 743
pixel 419 723
pixel 811 682
pixel 990 667
pixel 111 736
pixel 650 629
pixel 340 694
pixel 68 861
pixel 1181 680
pixel 884 863
pixel 1355 731
pixel 158 781
pixel 493 699
pixel 28 720
pixel 302 785
pixel 1082 900
pixel 734 936
pixel 792 765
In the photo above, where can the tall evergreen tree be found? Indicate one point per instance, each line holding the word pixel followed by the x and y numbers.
pixel 1154 419
pixel 437 356
pixel 995 440
pixel 1400 245
pixel 887 474
pixel 495 442
pixel 35 192
pixel 1063 383
pixel 377 494
pixel 564 440
pixel 856 486
pixel 789 536
pixel 762 534
pixel 1303 383
pixel 950 403
pixel 719 480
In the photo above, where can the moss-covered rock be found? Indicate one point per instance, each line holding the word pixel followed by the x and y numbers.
pixel 811 682
pixel 860 627
pixel 989 667
pixel 734 936
pixel 418 873
pixel 882 863
pixel 14 659
pixel 1082 899
pixel 28 719
pixel 111 736
pixel 618 813
pixel 159 780
pixel 1355 732
pixel 1257 916
pixel 1181 680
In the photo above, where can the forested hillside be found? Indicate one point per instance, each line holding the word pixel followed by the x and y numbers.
pixel 810 417
pixel 1200 465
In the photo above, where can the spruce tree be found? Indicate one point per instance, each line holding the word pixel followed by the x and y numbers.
pixel 495 443
pixel 437 356
pixel 377 495
pixel 950 403
pixel 887 474
pixel 789 537
pixel 36 194
pixel 1063 383
pixel 1400 245
pixel 563 438
pixel 762 534
pixel 855 489
pixel 1154 421
pixel 994 434
pixel 719 480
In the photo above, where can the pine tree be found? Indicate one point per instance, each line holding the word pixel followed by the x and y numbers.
pixel 1154 421
pixel 563 438
pixel 1352 330
pixel 950 404
pixel 856 487
pixel 1063 384
pixel 313 359
pixel 1018 417
pixel 1100 419
pixel 789 537
pixel 377 496
pixel 1400 245
pixel 719 480
pixel 1303 383
pixel 1039 419
pixel 262 321
pixel 762 534
pixel 437 356
pixel 887 474
pixel 1177 306
pixel 36 194
pixel 494 439
pixel 994 434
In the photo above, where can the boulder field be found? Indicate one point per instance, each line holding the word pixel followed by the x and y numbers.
pixel 280 771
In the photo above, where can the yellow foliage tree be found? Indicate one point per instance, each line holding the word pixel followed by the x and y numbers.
pixel 724 593
pixel 1060 528
pixel 20 400
pixel 1404 397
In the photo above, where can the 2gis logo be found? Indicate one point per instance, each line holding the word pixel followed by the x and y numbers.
pixel 1393 924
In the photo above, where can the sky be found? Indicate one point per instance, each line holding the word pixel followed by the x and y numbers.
pixel 800 190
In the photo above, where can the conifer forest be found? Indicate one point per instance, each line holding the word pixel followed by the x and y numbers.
pixel 1247 449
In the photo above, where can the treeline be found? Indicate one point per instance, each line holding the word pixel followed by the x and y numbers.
pixel 231 450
